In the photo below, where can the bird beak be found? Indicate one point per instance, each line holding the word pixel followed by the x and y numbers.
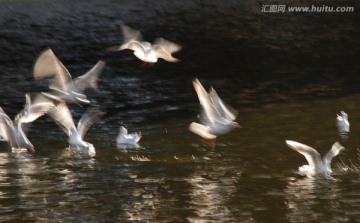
pixel 237 125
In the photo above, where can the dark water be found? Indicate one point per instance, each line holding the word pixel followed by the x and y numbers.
pixel 287 74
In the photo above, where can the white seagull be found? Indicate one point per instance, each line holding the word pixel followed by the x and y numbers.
pixel 14 134
pixel 64 87
pixel 145 51
pixel 316 163
pixel 62 116
pixel 129 139
pixel 216 117
pixel 342 122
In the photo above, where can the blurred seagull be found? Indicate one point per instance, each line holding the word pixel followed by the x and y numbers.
pixel 62 116
pixel 145 51
pixel 64 87
pixel 129 139
pixel 342 122
pixel 14 134
pixel 217 118
pixel 316 163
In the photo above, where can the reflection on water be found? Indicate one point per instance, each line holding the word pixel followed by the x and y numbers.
pixel 304 198
pixel 209 197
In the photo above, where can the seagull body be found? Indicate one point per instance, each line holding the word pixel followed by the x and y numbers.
pixel 342 122
pixel 129 139
pixel 145 51
pixel 79 146
pixel 62 116
pixel 14 134
pixel 316 163
pixel 216 117
pixel 63 87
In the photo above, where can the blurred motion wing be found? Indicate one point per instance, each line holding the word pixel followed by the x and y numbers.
pixel 165 48
pixel 48 65
pixel 90 79
pixel 62 117
pixel 224 109
pixel 207 111
pixel 92 115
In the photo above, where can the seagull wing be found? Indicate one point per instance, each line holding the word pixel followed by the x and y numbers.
pixel 164 48
pixel 48 65
pixel 130 34
pixel 89 79
pixel 224 109
pixel 88 119
pixel 132 39
pixel 62 117
pixel 207 111
pixel 34 108
pixel 5 126
pixel 311 155
pixel 15 137
pixel 334 151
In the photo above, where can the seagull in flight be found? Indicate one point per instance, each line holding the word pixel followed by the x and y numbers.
pixel 62 116
pixel 145 51
pixel 217 118
pixel 63 87
pixel 316 163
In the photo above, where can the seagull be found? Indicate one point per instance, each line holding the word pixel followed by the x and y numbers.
pixel 145 51
pixel 217 118
pixel 62 116
pixel 64 87
pixel 316 163
pixel 129 139
pixel 14 134
pixel 342 122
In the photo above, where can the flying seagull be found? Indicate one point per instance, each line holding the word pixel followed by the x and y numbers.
pixel 145 51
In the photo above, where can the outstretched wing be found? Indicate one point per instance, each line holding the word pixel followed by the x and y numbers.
pixel 34 108
pixel 62 117
pixel 132 39
pixel 311 155
pixel 48 65
pixel 88 119
pixel 334 151
pixel 164 48
pixel 89 79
